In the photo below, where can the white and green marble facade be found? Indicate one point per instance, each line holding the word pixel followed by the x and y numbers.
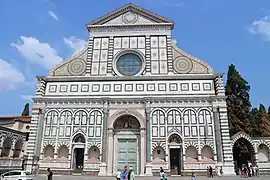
pixel 178 101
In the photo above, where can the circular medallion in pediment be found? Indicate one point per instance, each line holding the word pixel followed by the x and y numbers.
pixel 77 67
pixel 130 18
pixel 182 65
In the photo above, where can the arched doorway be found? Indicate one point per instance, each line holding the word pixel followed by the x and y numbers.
pixel 78 143
pixel 243 153
pixel 176 154
pixel 126 140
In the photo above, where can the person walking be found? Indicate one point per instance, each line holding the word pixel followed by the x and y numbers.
pixel 193 176
pixel 50 175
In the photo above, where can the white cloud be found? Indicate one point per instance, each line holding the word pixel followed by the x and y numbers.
pixel 27 97
pixel 53 15
pixel 38 52
pixel 261 27
pixel 10 77
pixel 75 43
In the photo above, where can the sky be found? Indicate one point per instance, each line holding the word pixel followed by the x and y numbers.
pixel 38 34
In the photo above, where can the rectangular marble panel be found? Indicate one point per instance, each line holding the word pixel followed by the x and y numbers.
pixel 139 87
pixel 173 87
pixel 68 131
pixel 195 86
pixel 104 55
pixel 162 87
pixel 84 87
pixel 155 131
pixel 61 131
pixel 150 87
pixel 210 131
pixel 92 120
pixel 154 120
pixel 118 87
pixel 97 43
pixel 162 41
pixel 194 130
pixel 154 54
pixel 105 43
pixel 133 42
pixel 154 67
pixel 186 131
pixel 206 86
pixel 74 88
pixel 163 67
pixel 162 54
pixel 91 131
pixel 96 88
pixel 154 42
pixel 201 119
pixel 129 87
pixel 162 131
pixel 141 42
pixel 94 68
pixel 117 43
pixel 63 88
pixel 106 87
pixel 52 88
pixel 125 42
pixel 184 87
pixel 96 56
pixel 98 131
pixel 202 130
pixel 103 68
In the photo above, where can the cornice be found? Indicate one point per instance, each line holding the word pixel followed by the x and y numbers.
pixel 127 100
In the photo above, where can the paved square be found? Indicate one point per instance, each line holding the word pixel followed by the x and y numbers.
pixel 60 177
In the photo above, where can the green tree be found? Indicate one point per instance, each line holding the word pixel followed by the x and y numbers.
pixel 237 92
pixel 269 112
pixel 255 122
pixel 26 110
pixel 265 122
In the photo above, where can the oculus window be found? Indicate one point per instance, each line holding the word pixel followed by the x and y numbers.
pixel 129 64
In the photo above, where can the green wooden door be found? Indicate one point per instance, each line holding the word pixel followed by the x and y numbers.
pixel 127 154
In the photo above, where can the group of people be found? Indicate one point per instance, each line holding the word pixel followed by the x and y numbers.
pixel 249 171
pixel 125 174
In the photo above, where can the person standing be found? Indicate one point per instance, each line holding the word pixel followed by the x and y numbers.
pixel 131 175
pixel 50 175
pixel 118 175
pixel 124 174
pixel 211 172
pixel 193 176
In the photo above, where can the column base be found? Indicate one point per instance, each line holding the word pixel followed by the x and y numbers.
pixel 228 169
pixel 102 169
pixel 148 169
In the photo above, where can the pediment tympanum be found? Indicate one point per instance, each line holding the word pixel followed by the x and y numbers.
pixel 130 14
pixel 74 66
pixel 183 63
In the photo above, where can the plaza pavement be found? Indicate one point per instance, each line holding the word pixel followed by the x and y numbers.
pixel 64 177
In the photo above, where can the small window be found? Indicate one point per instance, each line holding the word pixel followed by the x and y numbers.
pixel 158 151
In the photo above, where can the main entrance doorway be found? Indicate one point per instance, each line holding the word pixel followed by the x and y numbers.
pixel 175 164
pixel 127 154
pixel 79 159
pixel 175 146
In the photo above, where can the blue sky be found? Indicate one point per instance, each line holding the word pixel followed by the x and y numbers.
pixel 37 34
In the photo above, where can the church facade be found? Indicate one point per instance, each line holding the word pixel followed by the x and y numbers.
pixel 131 98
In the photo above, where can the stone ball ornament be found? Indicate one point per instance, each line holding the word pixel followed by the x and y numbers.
pixel 77 67
pixel 182 65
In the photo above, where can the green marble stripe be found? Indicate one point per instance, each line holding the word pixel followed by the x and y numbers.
pixel 148 138
pixel 104 137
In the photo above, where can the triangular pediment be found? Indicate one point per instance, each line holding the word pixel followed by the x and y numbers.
pixel 130 14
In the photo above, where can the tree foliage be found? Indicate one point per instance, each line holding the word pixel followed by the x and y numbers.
pixel 26 110
pixel 265 122
pixel 238 103
pixel 255 122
